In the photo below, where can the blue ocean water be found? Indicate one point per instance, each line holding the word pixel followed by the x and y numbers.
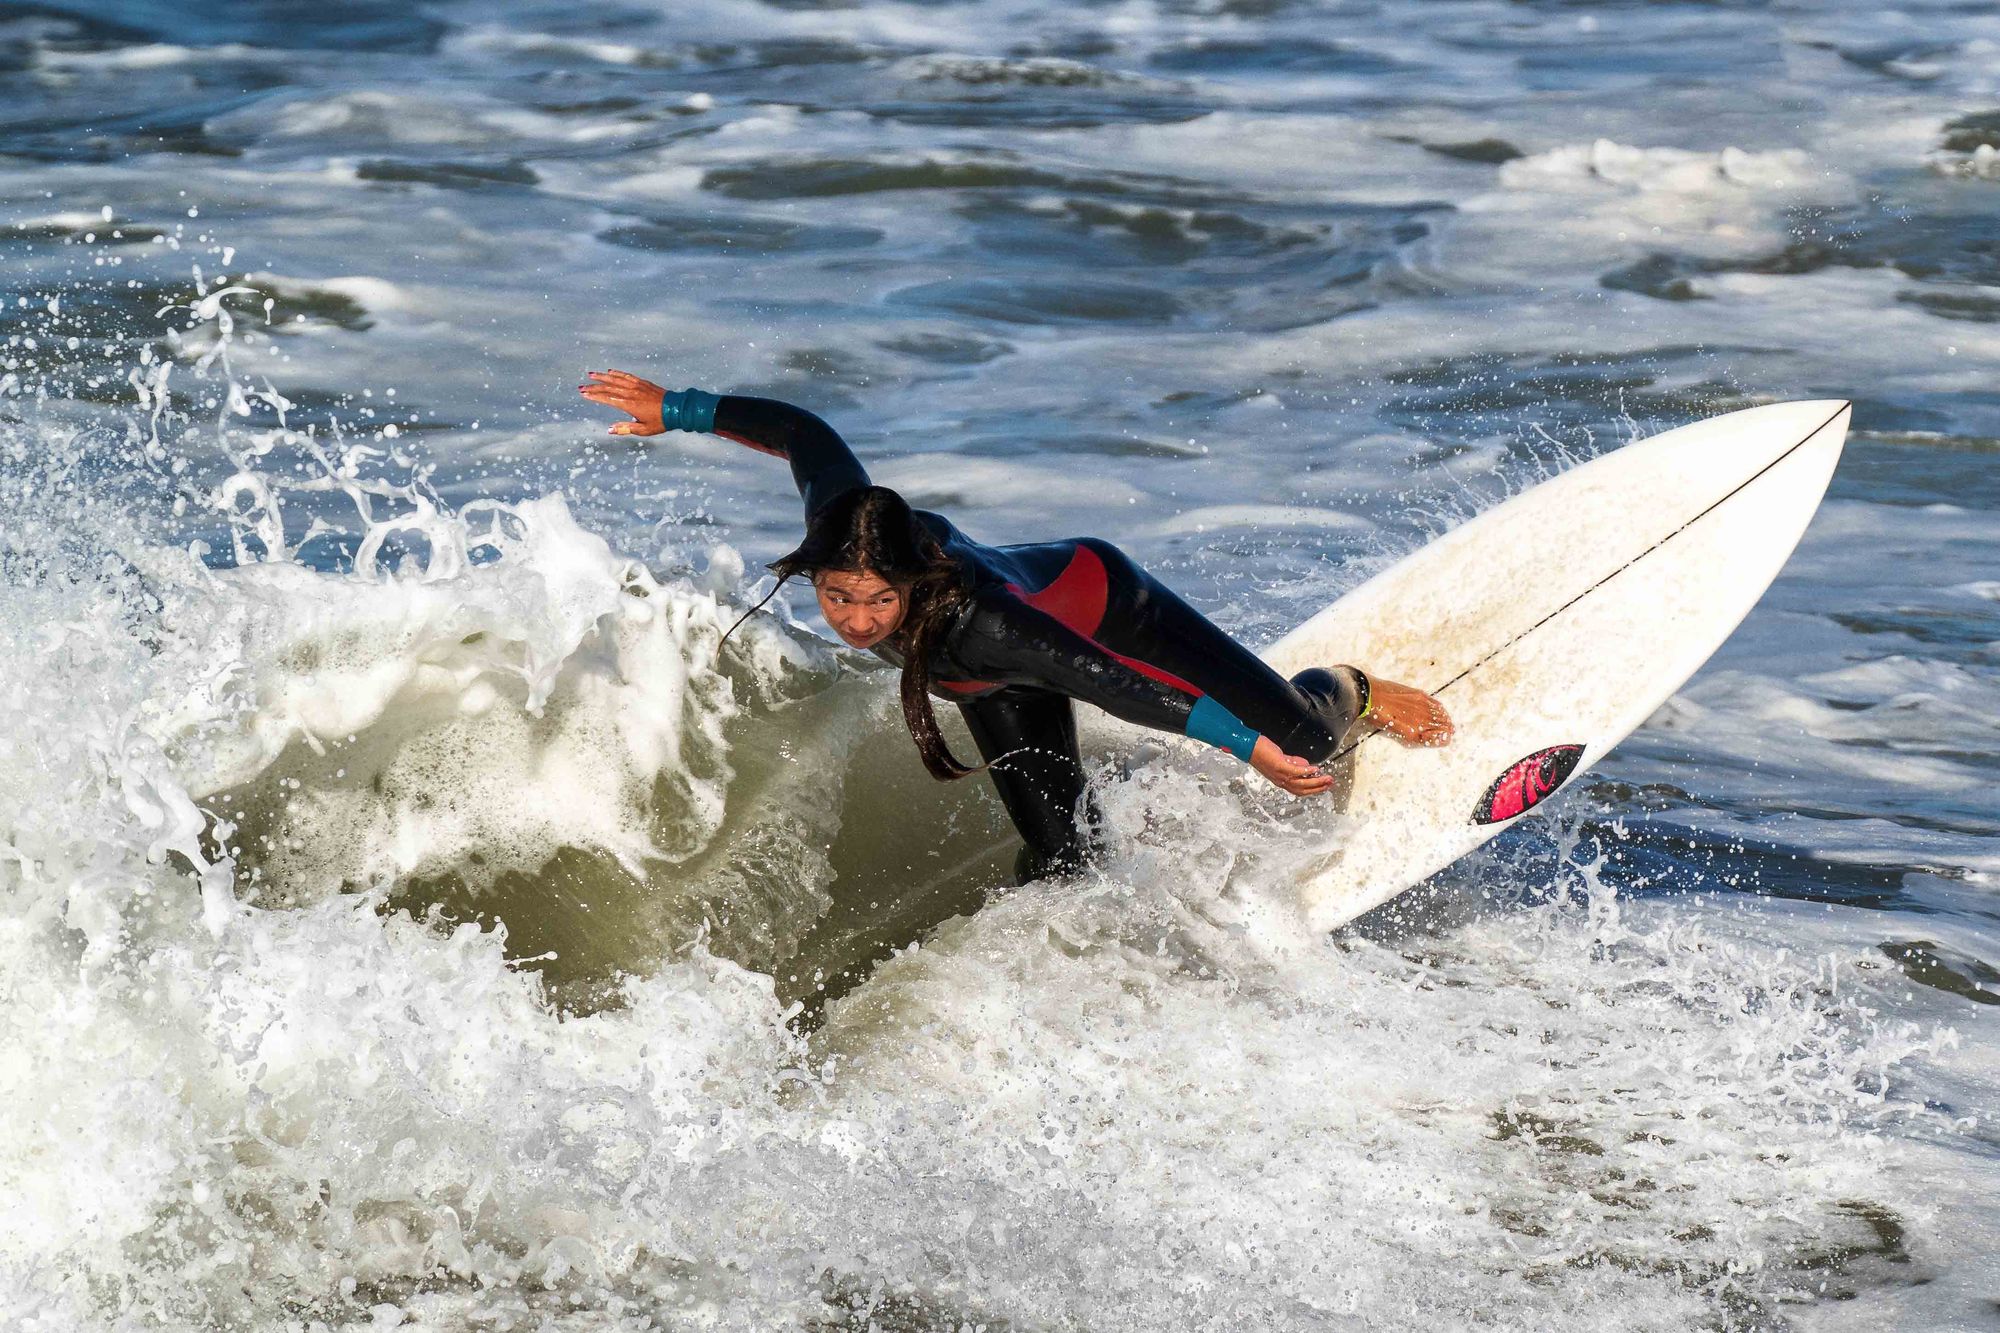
pixel 410 916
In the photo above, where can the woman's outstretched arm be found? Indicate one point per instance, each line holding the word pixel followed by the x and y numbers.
pixel 822 464
pixel 1012 643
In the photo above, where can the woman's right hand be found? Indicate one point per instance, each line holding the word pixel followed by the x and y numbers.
pixel 637 398
pixel 1288 772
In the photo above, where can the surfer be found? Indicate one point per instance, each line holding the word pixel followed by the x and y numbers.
pixel 1013 634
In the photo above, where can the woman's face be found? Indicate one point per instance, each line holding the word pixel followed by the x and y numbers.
pixel 864 608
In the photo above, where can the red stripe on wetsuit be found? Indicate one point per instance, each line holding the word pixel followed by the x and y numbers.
pixel 1077 597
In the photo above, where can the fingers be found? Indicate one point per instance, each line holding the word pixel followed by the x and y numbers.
pixel 621 381
pixel 611 395
pixel 1299 776
pixel 616 388
pixel 615 403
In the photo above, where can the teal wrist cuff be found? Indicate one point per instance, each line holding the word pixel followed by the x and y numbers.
pixel 1209 722
pixel 690 409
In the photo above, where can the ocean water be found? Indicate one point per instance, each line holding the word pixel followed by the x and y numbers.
pixel 412 915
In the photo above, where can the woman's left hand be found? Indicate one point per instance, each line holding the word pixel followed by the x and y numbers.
pixel 1288 772
pixel 637 398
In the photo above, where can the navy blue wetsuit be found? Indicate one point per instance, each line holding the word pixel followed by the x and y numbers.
pixel 1051 622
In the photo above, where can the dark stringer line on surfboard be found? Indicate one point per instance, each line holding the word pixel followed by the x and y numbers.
pixel 1804 440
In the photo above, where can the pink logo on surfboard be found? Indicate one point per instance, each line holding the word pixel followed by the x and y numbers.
pixel 1527 783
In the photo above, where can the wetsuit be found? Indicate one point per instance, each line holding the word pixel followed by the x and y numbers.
pixel 1055 621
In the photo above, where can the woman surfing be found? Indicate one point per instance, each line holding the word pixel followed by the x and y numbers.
pixel 1013 634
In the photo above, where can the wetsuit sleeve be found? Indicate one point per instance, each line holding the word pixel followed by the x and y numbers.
pixel 822 464
pixel 1011 643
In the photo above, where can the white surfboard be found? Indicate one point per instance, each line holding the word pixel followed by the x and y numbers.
pixel 1551 626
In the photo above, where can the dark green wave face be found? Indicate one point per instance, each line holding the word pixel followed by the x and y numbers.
pixel 412 913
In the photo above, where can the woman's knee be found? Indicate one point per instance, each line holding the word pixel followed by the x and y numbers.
pixel 1332 697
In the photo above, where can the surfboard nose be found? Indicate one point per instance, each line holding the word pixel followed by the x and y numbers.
pixel 1839 418
pixel 1838 414
pixel 1775 429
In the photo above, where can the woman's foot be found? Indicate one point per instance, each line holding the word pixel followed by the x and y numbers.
pixel 1407 713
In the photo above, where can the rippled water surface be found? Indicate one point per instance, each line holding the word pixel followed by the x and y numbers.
pixel 411 915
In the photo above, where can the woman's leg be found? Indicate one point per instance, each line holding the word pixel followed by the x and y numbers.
pixel 1029 738
pixel 1308 716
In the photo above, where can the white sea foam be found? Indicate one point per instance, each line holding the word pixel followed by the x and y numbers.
pixel 972 483
pixel 511 708
pixel 1399 1115
pixel 1205 518
pixel 1617 201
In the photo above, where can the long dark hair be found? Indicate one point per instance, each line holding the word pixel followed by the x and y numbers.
pixel 871 530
